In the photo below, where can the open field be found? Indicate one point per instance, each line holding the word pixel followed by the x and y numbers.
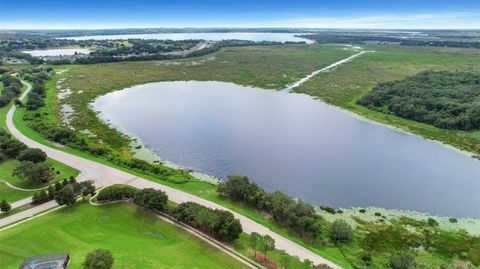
pixel 90 81
pixel 270 67
pixel 136 239
pixel 345 85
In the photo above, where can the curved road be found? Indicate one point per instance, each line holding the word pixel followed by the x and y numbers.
pixel 104 175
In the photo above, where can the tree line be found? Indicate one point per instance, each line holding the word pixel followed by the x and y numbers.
pixel 294 214
pixel 65 192
pixel 369 38
pixel 112 56
pixel 447 100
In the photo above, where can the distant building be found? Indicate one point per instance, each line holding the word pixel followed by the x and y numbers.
pixel 46 261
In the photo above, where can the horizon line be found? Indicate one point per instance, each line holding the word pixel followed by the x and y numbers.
pixel 235 27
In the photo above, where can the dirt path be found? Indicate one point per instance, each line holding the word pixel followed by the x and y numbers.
pixel 325 69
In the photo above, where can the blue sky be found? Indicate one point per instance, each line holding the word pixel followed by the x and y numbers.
pixel 385 14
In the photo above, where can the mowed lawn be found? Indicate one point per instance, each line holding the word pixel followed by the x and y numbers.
pixel 136 238
pixel 6 173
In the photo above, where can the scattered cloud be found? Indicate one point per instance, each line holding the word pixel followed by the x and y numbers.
pixel 453 20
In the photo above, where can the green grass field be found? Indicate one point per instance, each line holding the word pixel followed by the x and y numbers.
pixel 135 237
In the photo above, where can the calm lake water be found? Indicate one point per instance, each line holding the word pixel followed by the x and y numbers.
pixel 293 143
pixel 279 37
pixel 56 52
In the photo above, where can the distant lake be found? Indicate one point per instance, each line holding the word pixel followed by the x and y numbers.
pixel 56 52
pixel 279 37
pixel 296 144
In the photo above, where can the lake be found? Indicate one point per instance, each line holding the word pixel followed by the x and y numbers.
pixel 291 142
pixel 278 37
pixel 56 52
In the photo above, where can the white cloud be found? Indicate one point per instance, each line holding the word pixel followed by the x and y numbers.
pixel 458 20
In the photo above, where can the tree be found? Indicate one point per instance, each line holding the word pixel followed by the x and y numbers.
pixel 340 231
pixel 151 198
pixel 284 259
pixel 11 147
pixel 268 244
pixel 66 196
pixel 98 259
pixel 33 172
pixel 34 101
pixel 5 206
pixel 87 188
pixel 254 240
pixel 404 261
pixel 308 263
pixel 33 155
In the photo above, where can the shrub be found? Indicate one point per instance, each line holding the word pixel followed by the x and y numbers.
pixel 66 196
pixel 42 197
pixel 152 199
pixel 432 222
pixel 404 261
pixel 33 172
pixel 116 192
pixel 328 209
pixel 10 147
pixel 98 259
pixel 34 101
pixel 340 231
pixel 33 155
pixel 5 206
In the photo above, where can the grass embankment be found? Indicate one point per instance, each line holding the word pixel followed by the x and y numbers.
pixel 346 84
pixel 136 238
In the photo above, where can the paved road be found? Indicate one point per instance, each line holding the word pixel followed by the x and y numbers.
pixel 105 175
pixel 27 213
pixel 20 203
